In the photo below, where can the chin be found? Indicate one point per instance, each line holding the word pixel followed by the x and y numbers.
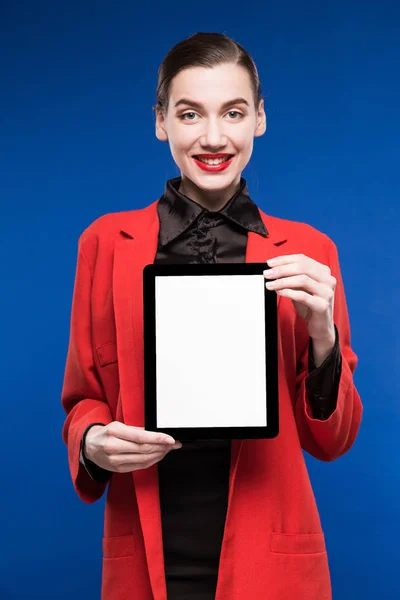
pixel 213 182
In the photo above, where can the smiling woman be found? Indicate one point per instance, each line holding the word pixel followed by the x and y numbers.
pixel 209 108
pixel 221 519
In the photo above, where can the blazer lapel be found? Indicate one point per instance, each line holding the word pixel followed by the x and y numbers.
pixel 259 249
pixel 136 247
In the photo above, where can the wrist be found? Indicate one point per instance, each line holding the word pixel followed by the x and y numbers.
pixel 322 347
pixel 87 448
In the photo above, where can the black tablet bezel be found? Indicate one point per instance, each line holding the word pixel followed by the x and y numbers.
pixel 271 430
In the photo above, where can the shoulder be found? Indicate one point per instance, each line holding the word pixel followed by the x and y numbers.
pixel 298 233
pixel 97 241
pixel 110 224
pixel 104 230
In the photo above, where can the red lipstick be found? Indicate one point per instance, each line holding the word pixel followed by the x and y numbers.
pixel 213 168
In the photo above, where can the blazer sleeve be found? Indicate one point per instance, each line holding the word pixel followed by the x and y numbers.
pixel 82 396
pixel 330 438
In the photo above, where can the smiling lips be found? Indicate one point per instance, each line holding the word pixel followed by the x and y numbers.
pixel 213 162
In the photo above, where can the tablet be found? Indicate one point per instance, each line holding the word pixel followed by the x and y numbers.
pixel 210 351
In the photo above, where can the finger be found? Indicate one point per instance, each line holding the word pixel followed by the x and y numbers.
pixel 123 463
pixel 315 303
pixel 314 270
pixel 294 264
pixel 139 435
pixel 286 259
pixel 117 446
pixel 140 459
pixel 151 448
pixel 303 282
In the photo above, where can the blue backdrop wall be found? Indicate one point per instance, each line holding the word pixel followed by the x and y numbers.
pixel 77 141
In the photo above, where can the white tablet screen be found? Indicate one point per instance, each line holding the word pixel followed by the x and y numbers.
pixel 210 348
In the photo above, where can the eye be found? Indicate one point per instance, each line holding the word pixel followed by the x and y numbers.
pixel 235 114
pixel 189 116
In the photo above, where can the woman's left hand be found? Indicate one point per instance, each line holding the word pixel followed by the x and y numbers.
pixel 311 287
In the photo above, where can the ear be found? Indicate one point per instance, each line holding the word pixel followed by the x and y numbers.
pixel 261 125
pixel 161 131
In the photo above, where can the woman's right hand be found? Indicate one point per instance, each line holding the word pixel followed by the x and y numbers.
pixel 122 448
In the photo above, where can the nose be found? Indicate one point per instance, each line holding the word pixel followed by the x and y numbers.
pixel 213 136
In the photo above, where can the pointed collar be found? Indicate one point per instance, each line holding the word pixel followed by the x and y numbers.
pixel 177 212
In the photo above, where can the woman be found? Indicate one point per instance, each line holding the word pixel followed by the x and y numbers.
pixel 227 520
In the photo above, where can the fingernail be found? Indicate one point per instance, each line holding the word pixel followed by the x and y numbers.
pixel 169 440
pixel 271 262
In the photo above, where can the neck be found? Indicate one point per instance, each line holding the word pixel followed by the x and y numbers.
pixel 211 200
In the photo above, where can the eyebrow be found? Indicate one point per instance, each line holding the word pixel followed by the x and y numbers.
pixel 199 106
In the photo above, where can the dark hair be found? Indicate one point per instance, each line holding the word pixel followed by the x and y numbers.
pixel 203 50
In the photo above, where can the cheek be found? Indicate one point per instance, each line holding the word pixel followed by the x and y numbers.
pixel 242 136
pixel 244 144
pixel 180 140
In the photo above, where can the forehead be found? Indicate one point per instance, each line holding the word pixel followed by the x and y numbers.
pixel 211 85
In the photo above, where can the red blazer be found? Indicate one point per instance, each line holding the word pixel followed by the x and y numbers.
pixel 273 543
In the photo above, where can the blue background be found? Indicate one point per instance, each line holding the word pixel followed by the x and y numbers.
pixel 77 86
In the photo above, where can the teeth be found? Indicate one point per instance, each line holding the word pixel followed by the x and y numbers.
pixel 213 161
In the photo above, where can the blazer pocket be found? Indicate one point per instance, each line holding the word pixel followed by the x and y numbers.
pixel 117 547
pixel 107 354
pixel 297 543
